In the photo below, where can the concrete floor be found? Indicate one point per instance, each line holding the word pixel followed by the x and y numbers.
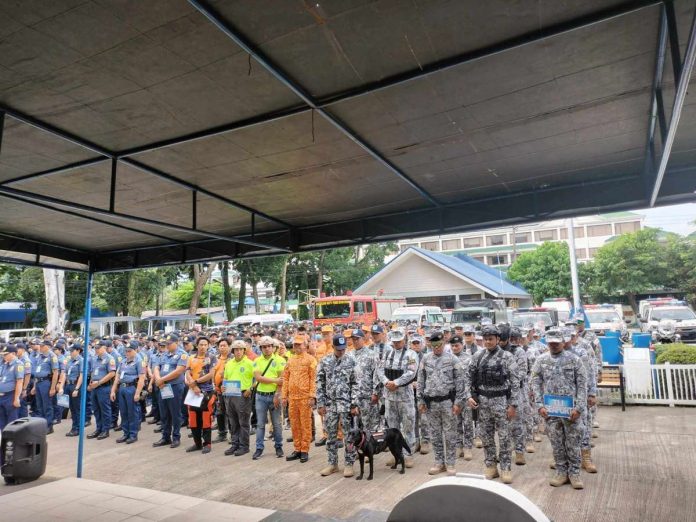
pixel 646 458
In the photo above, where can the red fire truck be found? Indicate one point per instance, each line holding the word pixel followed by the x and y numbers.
pixel 349 308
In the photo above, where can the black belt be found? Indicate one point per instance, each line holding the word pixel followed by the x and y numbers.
pixel 265 393
pixel 72 382
pixel 490 393
pixel 124 384
pixel 42 379
pixel 441 398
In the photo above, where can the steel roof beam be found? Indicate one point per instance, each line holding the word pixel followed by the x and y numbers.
pixel 57 170
pixel 680 96
pixel 30 196
pixel 301 93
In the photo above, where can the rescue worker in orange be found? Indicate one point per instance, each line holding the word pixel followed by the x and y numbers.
pixel 219 371
pixel 199 379
pixel 299 394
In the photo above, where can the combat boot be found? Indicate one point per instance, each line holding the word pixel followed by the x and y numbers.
pixel 417 447
pixel 576 482
pixel 390 461
pixel 437 469
pixel 558 480
pixel 451 471
pixel 519 458
pixel 529 448
pixel 467 454
pixel 348 470
pixel 595 423
pixel 328 470
pixel 478 443
pixel 595 435
pixel 460 452
pixel 491 472
pixel 408 462
pixel 552 464
pixel 425 448
pixel 587 463
pixel 506 476
pixel 537 437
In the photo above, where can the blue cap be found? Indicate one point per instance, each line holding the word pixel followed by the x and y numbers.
pixel 339 342
pixel 357 332
pixel 10 348
pixel 133 345
pixel 376 329
pixel 171 338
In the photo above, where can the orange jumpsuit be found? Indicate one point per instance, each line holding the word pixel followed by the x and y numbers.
pixel 299 386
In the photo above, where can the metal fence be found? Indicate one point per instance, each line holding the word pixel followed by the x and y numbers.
pixel 668 384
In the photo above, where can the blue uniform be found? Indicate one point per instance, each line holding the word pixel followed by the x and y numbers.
pixel 45 365
pixel 10 374
pixel 128 375
pixel 154 360
pixel 73 372
pixel 101 396
pixel 58 410
pixel 26 362
pixel 118 357
pixel 171 408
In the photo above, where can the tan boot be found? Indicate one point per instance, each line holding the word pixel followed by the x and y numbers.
pixel 587 463
pixel 390 461
pixel 537 437
pixel 519 458
pixel 467 454
pixel 491 472
pixel 425 448
pixel 328 470
pixel 595 423
pixel 506 476
pixel 552 464
pixel 435 470
pixel 348 470
pixel 408 462
pixel 595 435
pixel 576 482
pixel 451 471
pixel 460 452
pixel 529 448
pixel 478 443
pixel 558 480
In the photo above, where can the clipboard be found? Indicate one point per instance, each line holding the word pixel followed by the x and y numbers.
pixel 63 400
pixel 193 399
pixel 166 392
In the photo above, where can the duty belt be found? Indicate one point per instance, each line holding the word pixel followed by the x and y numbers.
pixel 42 379
pixel 124 384
pixel 72 382
pixel 493 393
pixel 441 398
pixel 265 393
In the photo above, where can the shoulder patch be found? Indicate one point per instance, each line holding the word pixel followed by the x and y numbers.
pixel 54 359
pixel 184 356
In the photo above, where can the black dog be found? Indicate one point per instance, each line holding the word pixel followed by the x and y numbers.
pixel 367 445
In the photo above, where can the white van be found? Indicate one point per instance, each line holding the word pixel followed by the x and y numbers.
pixel 262 320
pixel 420 314
pixel 10 335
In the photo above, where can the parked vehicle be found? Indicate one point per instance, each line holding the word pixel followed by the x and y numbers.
pixel 562 306
pixel 422 315
pixel 472 311
pixel 539 317
pixel 669 320
pixel 605 318
pixel 347 309
pixel 19 333
pixel 262 320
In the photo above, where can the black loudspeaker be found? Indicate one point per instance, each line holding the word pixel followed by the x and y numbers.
pixel 23 450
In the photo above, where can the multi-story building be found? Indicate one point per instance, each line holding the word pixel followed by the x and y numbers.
pixel 500 246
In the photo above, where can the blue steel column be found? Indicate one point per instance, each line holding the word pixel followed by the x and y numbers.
pixel 85 373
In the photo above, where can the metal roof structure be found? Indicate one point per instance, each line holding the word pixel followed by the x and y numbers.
pixel 140 134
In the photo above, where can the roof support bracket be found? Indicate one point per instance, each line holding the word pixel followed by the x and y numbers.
pixel 668 10
pixel 112 190
pixel 2 127
pixel 194 209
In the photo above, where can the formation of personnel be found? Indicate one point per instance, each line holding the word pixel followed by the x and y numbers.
pixel 449 391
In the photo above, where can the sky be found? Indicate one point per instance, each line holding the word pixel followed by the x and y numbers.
pixel 674 218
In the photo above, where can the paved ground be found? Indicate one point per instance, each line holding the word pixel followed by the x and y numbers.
pixel 646 458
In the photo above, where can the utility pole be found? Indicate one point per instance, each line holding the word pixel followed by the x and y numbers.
pixel 573 266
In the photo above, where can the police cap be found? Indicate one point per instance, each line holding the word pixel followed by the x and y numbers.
pixel 396 335
pixel 339 342
pixel 436 336
pixel 377 329
pixel 554 336
pixel 456 339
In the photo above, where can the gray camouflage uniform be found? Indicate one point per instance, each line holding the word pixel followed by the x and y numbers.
pixel 493 401
pixel 531 415
pixel 442 383
pixel 562 374
pixel 465 421
pixel 380 351
pixel 364 375
pixel 519 423
pixel 581 352
pixel 337 391
pixel 422 427
pixel 400 407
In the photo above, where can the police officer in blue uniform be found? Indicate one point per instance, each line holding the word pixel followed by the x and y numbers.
pixel 102 371
pixel 59 351
pixel 23 356
pixel 45 382
pixel 127 387
pixel 11 383
pixel 73 385
pixel 155 353
pixel 118 359
pixel 169 378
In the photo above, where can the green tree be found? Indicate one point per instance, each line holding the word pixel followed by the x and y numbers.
pixel 544 272
pixel 180 297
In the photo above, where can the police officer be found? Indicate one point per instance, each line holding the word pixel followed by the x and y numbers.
pixel 464 421
pixel 155 356
pixel 118 359
pixel 45 382
pixel 11 385
pixel 422 429
pixel 364 375
pixel 442 384
pixel 59 351
pixel 337 401
pixel 73 385
pixel 127 386
pixel 102 371
pixel 23 356
pixel 519 423
pixel 561 373
pixel 169 378
pixel 494 391
pixel 469 339
pixel 396 372
pixel 531 415
pixel 379 349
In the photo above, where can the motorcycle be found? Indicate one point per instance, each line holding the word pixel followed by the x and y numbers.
pixel 665 332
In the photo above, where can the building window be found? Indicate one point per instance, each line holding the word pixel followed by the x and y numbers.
pixel 580 253
pixel 462 297
pixel 579 231
pixel 523 237
pixel 450 244
pixel 406 246
pixel 591 252
pixel 472 242
pixel 625 228
pixel 598 230
pixel 546 235
pixel 431 245
pixel 496 240
pixel 497 260
pixel 480 259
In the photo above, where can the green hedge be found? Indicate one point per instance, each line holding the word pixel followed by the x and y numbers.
pixel 677 353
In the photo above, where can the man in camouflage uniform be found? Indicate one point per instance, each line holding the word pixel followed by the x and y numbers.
pixel 509 339
pixel 560 372
pixel 464 421
pixel 531 416
pixel 442 385
pixel 379 349
pixel 591 343
pixel 494 390
pixel 396 373
pixel 364 373
pixel 422 430
pixel 580 349
pixel 337 397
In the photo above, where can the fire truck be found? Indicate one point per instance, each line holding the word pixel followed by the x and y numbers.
pixel 350 308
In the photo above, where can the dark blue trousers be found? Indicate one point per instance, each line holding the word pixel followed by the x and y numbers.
pixel 44 402
pixel 130 411
pixel 170 412
pixel 101 401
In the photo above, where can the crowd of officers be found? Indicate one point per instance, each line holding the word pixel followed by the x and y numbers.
pixel 447 390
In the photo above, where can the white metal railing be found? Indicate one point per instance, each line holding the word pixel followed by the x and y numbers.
pixel 669 384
